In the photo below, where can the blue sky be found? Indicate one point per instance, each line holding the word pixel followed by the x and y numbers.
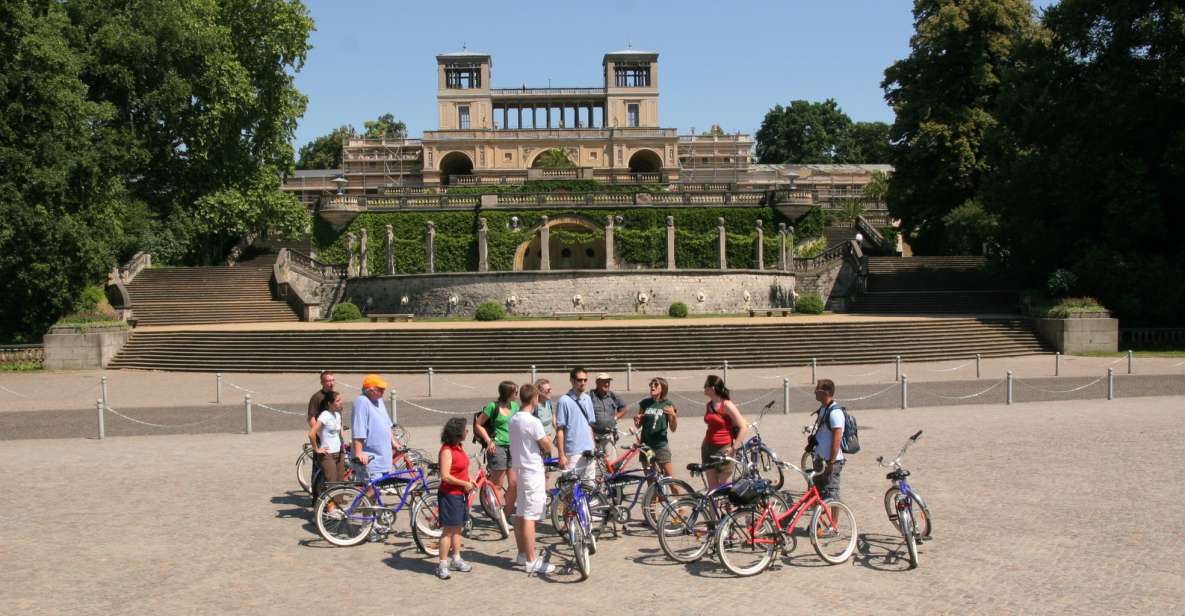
pixel 721 63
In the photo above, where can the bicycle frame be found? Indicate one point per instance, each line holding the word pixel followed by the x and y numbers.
pixel 415 478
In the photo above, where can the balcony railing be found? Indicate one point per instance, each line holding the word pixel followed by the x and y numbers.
pixel 550 133
pixel 535 92
pixel 440 201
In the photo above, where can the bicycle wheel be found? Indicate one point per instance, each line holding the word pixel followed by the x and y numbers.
pixel 745 542
pixel 493 509
pixel 304 469
pixel 425 524
pixel 839 537
pixel 768 468
pixel 905 523
pixel 660 494
pixel 580 550
pixel 598 515
pixel 807 462
pixel 559 508
pixel 685 529
pixel 922 522
pixel 891 504
pixel 345 526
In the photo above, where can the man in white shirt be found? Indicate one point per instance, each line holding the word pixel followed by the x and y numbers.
pixel 528 443
pixel 829 439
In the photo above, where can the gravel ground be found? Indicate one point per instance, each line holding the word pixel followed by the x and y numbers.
pixel 1024 500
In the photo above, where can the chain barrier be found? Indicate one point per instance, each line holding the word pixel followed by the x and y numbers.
pixel 432 410
pixel 1068 358
pixel 885 390
pixel 58 395
pixel 685 398
pixel 275 410
pixel 452 382
pixel 156 425
pixel 1178 364
pixel 760 397
pixel 1060 391
pixel 705 369
pixel 955 369
pixel 967 397
pixel 250 391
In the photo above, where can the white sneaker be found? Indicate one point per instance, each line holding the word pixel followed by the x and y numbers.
pixel 540 566
pixel 459 565
pixel 442 571
pixel 521 559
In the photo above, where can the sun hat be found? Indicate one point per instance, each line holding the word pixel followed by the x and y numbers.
pixel 604 376
pixel 373 380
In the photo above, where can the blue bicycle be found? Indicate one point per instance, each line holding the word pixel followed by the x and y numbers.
pixel 577 514
pixel 763 461
pixel 905 507
pixel 347 513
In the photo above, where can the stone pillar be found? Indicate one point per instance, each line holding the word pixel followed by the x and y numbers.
pixel 790 247
pixel 782 246
pixel 670 242
pixel 363 266
pixel 351 245
pixel 483 249
pixel 609 257
pixel 544 246
pixel 723 243
pixel 430 246
pixel 389 244
pixel 760 245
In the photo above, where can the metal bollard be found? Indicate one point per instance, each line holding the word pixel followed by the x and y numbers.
pixel 785 396
pixel 103 390
pixel 978 362
pixel 394 407
pixel 534 374
pixel 99 409
pixel 430 382
pixel 1057 364
pixel 814 365
pixel 629 376
pixel 1129 361
pixel 726 371
pixel 898 377
pixel 247 413
pixel 904 392
pixel 1009 387
pixel 1110 383
pixel 218 388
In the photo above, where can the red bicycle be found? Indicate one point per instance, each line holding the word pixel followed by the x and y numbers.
pixel 749 535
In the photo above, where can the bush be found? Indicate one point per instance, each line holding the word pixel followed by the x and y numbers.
pixel 809 303
pixel 1061 283
pixel 345 311
pixel 90 299
pixel 1070 305
pixel 678 310
pixel 489 311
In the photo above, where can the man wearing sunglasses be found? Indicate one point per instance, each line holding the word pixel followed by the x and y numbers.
pixel 573 420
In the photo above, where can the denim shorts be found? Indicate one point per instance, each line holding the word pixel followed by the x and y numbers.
pixel 454 510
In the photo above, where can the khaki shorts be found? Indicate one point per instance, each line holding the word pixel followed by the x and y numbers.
pixel 707 450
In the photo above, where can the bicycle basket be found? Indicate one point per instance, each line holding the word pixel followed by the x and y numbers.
pixel 746 491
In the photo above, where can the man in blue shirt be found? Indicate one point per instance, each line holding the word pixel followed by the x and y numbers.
pixel 573 420
pixel 371 426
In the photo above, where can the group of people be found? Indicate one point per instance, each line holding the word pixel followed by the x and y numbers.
pixel 525 425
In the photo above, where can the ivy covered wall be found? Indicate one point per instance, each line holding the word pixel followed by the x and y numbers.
pixel 639 240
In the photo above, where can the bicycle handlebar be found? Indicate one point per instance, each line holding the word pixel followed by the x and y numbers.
pixel 896 462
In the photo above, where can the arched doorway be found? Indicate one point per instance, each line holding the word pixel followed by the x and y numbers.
pixel 454 163
pixel 554 158
pixel 565 252
pixel 645 161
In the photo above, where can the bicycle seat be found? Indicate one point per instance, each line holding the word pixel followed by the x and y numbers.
pixel 696 468
pixel 897 474
pixel 433 467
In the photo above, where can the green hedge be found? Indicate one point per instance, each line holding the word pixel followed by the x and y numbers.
pixel 639 240
pixel 489 311
pixel 809 303
pixel 546 186
pixel 345 311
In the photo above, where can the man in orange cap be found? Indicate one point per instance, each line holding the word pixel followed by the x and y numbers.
pixel 371 426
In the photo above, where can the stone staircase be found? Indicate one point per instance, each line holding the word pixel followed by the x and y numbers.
pixel 514 349
pixel 934 285
pixel 196 295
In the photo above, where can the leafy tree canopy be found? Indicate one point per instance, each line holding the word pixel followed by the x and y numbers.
pixel 807 133
pixel 325 152
pixel 385 127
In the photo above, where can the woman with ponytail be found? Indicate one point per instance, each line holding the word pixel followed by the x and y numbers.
pixel 726 428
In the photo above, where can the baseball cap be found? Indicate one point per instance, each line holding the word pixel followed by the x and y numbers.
pixel 604 376
pixel 373 380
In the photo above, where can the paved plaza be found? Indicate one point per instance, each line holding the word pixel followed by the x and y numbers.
pixel 1032 503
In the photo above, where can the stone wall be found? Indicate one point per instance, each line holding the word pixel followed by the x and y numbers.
pixel 1080 335
pixel 832 283
pixel 68 348
pixel 543 293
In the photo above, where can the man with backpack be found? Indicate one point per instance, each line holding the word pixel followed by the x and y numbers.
pixel 829 440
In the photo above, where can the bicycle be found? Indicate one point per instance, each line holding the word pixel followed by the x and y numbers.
pixel 905 507
pixel 578 514
pixel 402 458
pixel 359 508
pixel 659 488
pixel 754 531
pixel 305 462
pixel 755 452
pixel 687 526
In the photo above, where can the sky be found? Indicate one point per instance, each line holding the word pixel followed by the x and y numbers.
pixel 723 63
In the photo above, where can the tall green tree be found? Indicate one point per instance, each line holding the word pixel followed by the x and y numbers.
pixel 804 132
pixel 385 127
pixel 324 152
pixel 1091 173
pixel 868 143
pixel 944 95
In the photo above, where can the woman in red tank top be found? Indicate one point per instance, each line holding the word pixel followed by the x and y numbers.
pixel 725 426
pixel 450 497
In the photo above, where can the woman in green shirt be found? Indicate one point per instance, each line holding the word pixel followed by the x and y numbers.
pixel 656 415
pixel 497 415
